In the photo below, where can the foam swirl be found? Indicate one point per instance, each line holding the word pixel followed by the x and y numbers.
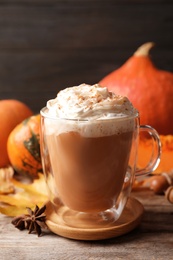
pixel 89 102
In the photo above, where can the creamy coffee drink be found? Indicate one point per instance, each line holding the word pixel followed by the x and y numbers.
pixel 88 132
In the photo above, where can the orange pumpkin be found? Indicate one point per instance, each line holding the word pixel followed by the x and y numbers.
pixel 12 112
pixel 148 88
pixel 24 147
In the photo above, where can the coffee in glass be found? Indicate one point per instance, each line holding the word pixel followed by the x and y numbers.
pixel 89 142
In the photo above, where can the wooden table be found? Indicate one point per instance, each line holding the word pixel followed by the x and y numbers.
pixel 152 239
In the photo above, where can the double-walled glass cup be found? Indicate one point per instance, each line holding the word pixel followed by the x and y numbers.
pixel 90 166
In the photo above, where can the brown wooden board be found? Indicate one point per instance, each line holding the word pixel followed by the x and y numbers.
pixel 46 45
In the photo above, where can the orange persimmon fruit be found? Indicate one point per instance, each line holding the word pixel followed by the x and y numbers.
pixel 12 112
pixel 24 147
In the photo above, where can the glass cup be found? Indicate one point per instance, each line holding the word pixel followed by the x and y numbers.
pixel 90 166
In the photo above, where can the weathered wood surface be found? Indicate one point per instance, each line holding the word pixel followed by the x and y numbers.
pixel 153 239
pixel 47 45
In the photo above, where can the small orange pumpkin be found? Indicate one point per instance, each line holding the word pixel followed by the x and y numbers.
pixel 23 147
pixel 148 88
pixel 12 112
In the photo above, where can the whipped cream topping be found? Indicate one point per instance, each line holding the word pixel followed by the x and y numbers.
pixel 92 111
pixel 89 102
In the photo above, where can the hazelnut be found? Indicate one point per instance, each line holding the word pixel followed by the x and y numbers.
pixel 169 194
pixel 159 184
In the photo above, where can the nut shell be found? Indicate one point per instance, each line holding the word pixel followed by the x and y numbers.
pixel 159 184
pixel 169 194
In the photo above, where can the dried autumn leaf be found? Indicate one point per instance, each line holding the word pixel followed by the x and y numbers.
pixel 6 186
pixel 12 211
pixel 26 195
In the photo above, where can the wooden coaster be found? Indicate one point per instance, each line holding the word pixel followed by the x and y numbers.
pixel 130 218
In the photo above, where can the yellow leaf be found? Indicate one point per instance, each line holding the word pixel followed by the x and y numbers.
pixel 14 200
pixel 37 187
pixel 26 195
pixel 13 211
pixel 6 174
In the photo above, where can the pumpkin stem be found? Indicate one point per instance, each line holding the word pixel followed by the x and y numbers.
pixel 144 49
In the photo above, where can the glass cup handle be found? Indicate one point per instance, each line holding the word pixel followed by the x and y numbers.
pixel 156 151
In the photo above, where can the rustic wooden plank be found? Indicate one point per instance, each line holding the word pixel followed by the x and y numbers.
pixel 50 2
pixel 108 26
pixel 151 240
pixel 48 45
pixel 50 73
pixel 36 77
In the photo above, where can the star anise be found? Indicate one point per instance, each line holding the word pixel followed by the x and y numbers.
pixel 34 221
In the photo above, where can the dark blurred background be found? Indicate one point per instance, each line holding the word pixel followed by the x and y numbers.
pixel 48 45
